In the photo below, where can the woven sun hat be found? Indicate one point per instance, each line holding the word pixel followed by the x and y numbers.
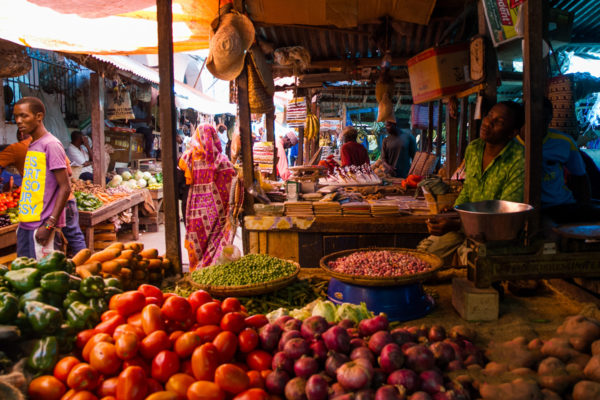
pixel 228 45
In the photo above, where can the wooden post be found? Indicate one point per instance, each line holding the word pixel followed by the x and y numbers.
pixel 168 130
pixel 300 160
pixel 97 99
pixel 246 138
pixel 464 115
pixel 451 131
pixel 430 128
pixel 473 131
pixel 438 140
pixel 2 114
pixel 270 125
pixel 533 97
pixel 491 65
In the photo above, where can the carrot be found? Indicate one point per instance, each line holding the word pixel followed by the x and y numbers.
pixel 135 246
pixel 111 267
pixel 149 253
pixel 82 256
pixel 154 263
pixel 127 254
pixel 106 255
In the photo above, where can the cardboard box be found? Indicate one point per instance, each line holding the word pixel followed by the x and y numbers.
pixel 438 72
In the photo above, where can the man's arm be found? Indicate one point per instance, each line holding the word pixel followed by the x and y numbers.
pixel 514 187
pixel 64 190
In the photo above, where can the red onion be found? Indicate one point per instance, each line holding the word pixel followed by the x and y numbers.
pixel 345 396
pixel 378 340
pixel 391 358
pixel 431 381
pixel 287 335
pixel 347 323
pixel 419 331
pixel 295 389
pixel 367 327
pixel 455 365
pixel 294 348
pixel 292 324
pixel 420 396
pixel 436 333
pixel 458 350
pixel 444 396
pixel 365 394
pixel 474 359
pixel 280 321
pixel 283 362
pixel 406 378
pixel 317 388
pixel 337 339
pixel 306 366
pixel 334 361
pixel 363 352
pixel 313 327
pixel 419 358
pixel 354 375
pixel 443 353
pixel 269 336
pixel 402 335
pixel 406 346
pixel 319 350
pixel 462 332
pixel 276 380
pixel 388 392
pixel 353 332
pixel 357 342
pixel 336 390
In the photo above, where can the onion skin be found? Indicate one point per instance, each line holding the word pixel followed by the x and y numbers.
pixel 337 339
pixel 286 336
pixel 436 333
pixel 443 353
pixel 292 325
pixel 365 394
pixel 296 348
pixel 402 335
pixel 379 378
pixel 316 388
pixel 276 381
pixel 347 323
pixel 313 327
pixel 367 327
pixel 405 377
pixel 269 336
pixel 378 340
pixel 391 358
pixel 431 381
pixel 420 396
pixel 280 321
pixel 419 358
pixel 389 392
pixel 455 365
pixel 319 350
pixel 305 367
pixel 283 362
pixel 336 390
pixel 333 362
pixel 355 375
pixel 295 389
pixel 357 342
pixel 363 352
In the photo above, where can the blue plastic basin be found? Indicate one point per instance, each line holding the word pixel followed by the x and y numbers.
pixel 399 303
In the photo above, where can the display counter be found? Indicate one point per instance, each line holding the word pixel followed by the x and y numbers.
pixel 151 222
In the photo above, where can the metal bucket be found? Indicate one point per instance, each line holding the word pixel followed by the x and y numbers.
pixel 493 220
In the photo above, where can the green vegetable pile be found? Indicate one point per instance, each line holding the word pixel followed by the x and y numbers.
pixel 46 301
pixel 250 269
pixel 326 309
pixel 87 201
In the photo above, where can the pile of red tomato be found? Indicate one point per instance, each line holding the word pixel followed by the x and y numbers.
pixel 9 199
pixel 155 346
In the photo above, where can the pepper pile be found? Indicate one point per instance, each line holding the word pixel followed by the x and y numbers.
pixel 48 302
pixel 87 201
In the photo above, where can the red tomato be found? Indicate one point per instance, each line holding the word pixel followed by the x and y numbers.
pixel 198 298
pixel 108 387
pixel 153 300
pixel 154 386
pixel 208 333
pixel 256 379
pixel 137 362
pixel 265 372
pixel 132 384
pixel 226 344
pixel 173 336
pixel 109 325
pixel 84 395
pixel 165 364
pixel 176 308
pixel 151 319
pixel 259 360
pixel 233 321
pixel 97 338
pixel 209 314
pixel 256 321
pixel 179 384
pixel 83 377
pixel 231 304
pixel 64 366
pixel 151 291
pixel 46 387
pixel 103 358
pixel 70 393
pixel 83 337
pixel 153 344
pixel 121 329
pixel 247 340
pixel 242 365
pixel 162 395
pixel 231 378
pixel 108 314
pixel 186 367
pixel 205 390
pixel 205 360
pixel 252 394
pixel 127 345
pixel 186 343
pixel 128 303
pixel 136 320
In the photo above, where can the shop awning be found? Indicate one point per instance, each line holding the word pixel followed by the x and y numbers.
pixel 129 26
pixel 185 96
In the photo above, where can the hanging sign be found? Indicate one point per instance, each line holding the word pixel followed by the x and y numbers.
pixel 118 105
pixel 502 17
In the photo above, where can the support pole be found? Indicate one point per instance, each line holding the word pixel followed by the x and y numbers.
pixel 97 98
pixel 451 131
pixel 464 115
pixel 438 139
pixel 300 160
pixel 430 128
pixel 270 127
pixel 246 138
pixel 168 130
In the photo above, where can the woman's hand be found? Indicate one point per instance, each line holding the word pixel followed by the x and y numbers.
pixel 441 226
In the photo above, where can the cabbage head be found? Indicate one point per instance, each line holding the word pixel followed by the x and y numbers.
pixel 325 309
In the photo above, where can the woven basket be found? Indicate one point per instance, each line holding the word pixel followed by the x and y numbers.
pixel 14 60
pixel 258 97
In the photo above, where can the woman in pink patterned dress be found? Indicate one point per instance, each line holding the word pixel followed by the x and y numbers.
pixel 209 173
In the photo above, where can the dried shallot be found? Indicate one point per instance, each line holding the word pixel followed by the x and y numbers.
pixel 382 263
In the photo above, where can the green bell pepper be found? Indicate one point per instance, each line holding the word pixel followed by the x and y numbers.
pixel 66 336
pixel 110 292
pixel 71 297
pixel 54 299
pixel 36 294
pixel 54 261
pixel 9 307
pixel 69 266
pixel 81 316
pixel 22 323
pixel 4 285
pixel 56 282
pixel 92 286
pixel 44 355
pixel 23 262
pixel 75 282
pixel 43 318
pixel 23 280
pixel 99 305
pixel 113 282
pixel 3 269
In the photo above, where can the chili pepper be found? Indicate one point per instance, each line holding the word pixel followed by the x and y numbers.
pixel 36 294
pixel 56 282
pixel 54 261
pixel 23 262
pixel 44 355
pixel 43 318
pixel 3 269
pixel 110 291
pixel 99 305
pixel 81 316
pixel 9 307
pixel 92 286
pixel 113 282
pixel 23 280
pixel 72 297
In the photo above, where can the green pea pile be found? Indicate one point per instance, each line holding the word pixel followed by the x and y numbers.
pixel 250 269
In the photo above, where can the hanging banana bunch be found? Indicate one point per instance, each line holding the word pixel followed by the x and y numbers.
pixel 311 126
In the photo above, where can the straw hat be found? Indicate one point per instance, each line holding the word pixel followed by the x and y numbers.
pixel 227 46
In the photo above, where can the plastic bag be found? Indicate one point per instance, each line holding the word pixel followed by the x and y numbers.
pixel 42 251
pixel 229 254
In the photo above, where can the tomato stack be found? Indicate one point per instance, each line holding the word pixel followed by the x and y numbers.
pixel 155 346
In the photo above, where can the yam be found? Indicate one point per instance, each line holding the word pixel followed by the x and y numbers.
pixel 81 257
pixel 553 375
pixel 166 263
pixel 559 348
pixel 580 331
pixel 111 267
pixel 519 389
pixel 149 253
pixel 126 273
pixel 123 263
pixel 592 369
pixel 106 255
pixel 139 274
pixel 142 264
pixel 514 353
pixel 116 245
pixel 550 395
pixel 135 246
pixel 154 264
pixel 596 348
pixel 88 269
pixel 586 390
pixel 127 254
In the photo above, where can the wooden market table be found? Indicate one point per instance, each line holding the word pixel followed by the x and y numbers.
pixel 88 219
pixel 8 238
pixel 152 222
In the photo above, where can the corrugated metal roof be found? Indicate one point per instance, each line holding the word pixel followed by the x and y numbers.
pixel 586 23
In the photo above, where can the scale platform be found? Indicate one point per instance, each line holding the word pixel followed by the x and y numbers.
pixel 399 303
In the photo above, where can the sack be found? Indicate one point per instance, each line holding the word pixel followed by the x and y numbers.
pixel 43 251
pixel 118 105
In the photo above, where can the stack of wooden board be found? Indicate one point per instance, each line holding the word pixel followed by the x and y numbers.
pixel 357 209
pixel 327 208
pixel 384 209
pixel 104 236
pixel 298 209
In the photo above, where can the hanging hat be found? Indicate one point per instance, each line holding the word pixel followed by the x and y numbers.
pixel 227 46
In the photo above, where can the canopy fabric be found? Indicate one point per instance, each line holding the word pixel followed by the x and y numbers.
pixel 129 26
